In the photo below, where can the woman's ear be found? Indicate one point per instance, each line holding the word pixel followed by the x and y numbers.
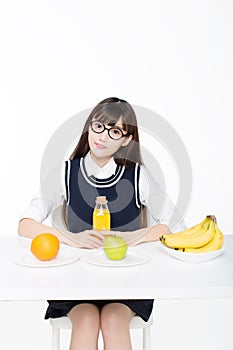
pixel 127 140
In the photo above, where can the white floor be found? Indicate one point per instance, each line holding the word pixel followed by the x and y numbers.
pixel 179 324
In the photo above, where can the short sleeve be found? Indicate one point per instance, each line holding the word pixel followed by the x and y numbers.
pixel 49 197
pixel 161 208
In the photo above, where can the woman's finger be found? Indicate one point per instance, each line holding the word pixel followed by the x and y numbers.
pixel 108 233
pixel 95 245
pixel 98 234
pixel 96 241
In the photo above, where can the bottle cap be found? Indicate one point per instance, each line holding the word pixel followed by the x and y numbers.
pixel 101 200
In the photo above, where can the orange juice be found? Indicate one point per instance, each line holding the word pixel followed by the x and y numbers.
pixel 101 214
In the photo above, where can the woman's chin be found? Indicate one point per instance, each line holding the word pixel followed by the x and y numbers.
pixel 100 154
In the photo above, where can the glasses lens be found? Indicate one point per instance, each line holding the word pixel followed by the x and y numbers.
pixel 97 127
pixel 115 133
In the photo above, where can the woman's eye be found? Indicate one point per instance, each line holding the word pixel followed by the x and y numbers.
pixel 116 131
pixel 98 125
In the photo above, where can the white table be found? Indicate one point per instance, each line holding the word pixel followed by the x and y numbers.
pixel 163 277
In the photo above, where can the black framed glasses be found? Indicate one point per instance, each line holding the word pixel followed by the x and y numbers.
pixel 114 132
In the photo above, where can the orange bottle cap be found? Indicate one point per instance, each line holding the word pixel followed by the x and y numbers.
pixel 101 200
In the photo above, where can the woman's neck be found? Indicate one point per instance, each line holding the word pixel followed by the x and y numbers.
pixel 100 161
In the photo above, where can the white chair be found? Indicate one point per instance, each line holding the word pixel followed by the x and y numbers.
pixel 136 323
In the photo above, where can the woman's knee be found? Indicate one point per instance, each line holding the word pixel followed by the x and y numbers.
pixel 115 317
pixel 85 316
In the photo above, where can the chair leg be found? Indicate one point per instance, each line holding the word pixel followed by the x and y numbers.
pixel 55 338
pixel 146 338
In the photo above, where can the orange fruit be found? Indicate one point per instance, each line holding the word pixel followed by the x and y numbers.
pixel 45 246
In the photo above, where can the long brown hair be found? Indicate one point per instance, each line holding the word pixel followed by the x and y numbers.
pixel 108 112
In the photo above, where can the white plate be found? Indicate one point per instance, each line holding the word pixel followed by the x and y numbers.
pixel 66 255
pixel 192 257
pixel 98 257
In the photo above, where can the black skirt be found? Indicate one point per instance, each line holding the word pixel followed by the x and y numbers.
pixel 59 308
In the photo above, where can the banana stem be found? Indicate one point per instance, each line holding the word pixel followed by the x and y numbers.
pixel 213 218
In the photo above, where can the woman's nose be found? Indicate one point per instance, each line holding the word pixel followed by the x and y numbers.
pixel 104 135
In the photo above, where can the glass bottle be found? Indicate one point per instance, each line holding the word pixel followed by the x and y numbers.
pixel 101 214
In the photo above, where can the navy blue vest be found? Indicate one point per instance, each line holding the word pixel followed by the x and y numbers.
pixel 121 190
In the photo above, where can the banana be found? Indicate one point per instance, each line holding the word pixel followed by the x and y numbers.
pixel 195 240
pixel 215 243
pixel 192 230
pixel 171 239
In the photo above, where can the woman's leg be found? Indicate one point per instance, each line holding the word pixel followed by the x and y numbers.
pixel 114 323
pixel 85 320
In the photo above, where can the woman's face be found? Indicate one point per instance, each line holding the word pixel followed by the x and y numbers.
pixel 102 147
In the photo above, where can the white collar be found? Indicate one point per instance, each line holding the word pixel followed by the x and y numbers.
pixel 93 169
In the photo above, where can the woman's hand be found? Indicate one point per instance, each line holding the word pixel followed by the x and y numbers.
pixel 86 239
pixel 157 231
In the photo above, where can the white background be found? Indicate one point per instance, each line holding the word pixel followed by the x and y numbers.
pixel 173 57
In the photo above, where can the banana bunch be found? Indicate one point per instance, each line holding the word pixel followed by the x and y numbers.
pixel 201 238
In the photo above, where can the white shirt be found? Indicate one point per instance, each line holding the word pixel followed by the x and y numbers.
pixel 160 208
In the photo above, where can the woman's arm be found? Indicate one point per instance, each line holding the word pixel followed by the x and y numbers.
pixel 142 235
pixel 87 239
pixel 30 228
pixel 149 234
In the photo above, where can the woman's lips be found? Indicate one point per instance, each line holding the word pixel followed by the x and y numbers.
pixel 100 146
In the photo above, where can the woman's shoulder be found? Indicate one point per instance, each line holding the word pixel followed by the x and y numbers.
pixel 144 171
pixel 147 179
pixel 141 168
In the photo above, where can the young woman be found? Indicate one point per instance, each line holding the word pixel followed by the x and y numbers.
pixel 106 162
